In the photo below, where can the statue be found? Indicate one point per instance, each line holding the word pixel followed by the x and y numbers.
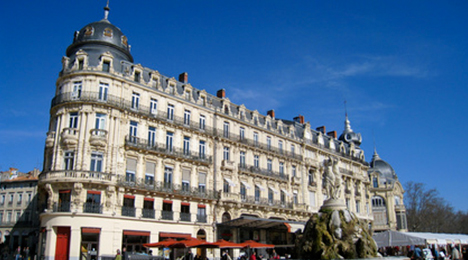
pixel 332 179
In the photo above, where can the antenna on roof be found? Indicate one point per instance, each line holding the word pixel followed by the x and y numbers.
pixel 346 109
pixel 106 10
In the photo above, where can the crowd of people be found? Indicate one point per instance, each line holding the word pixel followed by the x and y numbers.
pixel 433 252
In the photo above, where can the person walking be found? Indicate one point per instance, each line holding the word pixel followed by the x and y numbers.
pixel 455 253
pixel 118 256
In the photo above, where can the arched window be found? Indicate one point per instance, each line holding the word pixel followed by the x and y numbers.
pixel 226 217
pixel 378 201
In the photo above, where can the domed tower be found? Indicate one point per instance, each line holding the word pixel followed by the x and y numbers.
pixel 349 136
pixel 387 196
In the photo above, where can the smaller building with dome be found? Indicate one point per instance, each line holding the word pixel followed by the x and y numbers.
pixel 387 196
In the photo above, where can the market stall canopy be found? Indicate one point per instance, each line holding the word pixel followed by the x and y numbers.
pixel 395 238
pixel 226 244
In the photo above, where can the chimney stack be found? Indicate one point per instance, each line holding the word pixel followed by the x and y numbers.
pixel 183 77
pixel 221 93
pixel 321 129
pixel 271 113
pixel 299 119
pixel 332 134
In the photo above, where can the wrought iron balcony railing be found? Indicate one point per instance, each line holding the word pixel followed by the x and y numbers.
pixel 90 207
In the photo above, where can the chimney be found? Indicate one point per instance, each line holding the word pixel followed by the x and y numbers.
pixel 299 119
pixel 332 134
pixel 271 113
pixel 321 129
pixel 221 93
pixel 183 77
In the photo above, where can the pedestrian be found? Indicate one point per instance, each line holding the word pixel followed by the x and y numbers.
pixel 18 255
pixel 455 253
pixel 226 256
pixel 253 256
pixel 124 254
pixel 118 256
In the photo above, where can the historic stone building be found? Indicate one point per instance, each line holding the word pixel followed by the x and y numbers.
pixel 133 156
pixel 387 197
pixel 18 210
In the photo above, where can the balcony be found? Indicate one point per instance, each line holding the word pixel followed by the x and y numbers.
pixel 69 136
pixel 264 172
pixel 50 140
pixel 90 207
pixel 76 176
pixel 128 211
pixel 201 218
pixel 228 165
pixel 148 213
pixel 62 207
pixel 98 137
pixel 167 215
pixel 185 217
pixel 142 144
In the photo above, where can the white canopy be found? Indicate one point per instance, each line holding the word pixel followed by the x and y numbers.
pixel 395 238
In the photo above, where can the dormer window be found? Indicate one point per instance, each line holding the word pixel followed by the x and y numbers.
pixel 137 76
pixel 89 30
pixel 171 89
pixel 187 95
pixel 108 32
pixel 203 100
pixel 106 66
pixel 80 64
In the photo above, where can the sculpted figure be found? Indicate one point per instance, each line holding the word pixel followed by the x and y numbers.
pixel 332 179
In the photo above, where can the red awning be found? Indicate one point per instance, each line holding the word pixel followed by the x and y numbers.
pixel 201 206
pixel 94 192
pixel 149 199
pixel 164 243
pixel 91 230
pixel 174 235
pixel 185 204
pixel 129 196
pixel 64 191
pixel 226 244
pixel 136 233
pixel 167 201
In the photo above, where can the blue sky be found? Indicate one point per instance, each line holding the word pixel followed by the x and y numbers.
pixel 400 65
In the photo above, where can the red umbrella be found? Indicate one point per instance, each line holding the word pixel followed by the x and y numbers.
pixel 226 244
pixel 255 244
pixel 190 242
pixel 164 243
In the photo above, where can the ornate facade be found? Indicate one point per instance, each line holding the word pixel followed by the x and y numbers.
pixel 133 156
pixel 387 197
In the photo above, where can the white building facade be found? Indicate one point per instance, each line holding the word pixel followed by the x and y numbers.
pixel 133 156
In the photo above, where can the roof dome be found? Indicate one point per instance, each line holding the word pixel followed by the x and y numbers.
pixel 99 37
pixel 385 169
pixel 349 136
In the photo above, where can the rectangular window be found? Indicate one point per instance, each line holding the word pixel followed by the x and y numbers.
pixel 169 141
pixel 293 171
pixel 226 188
pixel 148 208
pixel 242 159
pixel 358 206
pixel 269 165
pixel 295 198
pixel 2 199
pixel 270 196
pixel 80 64
pixel 68 160
pixel 167 213
pixel 201 149
pixel 20 198
pixel 202 182
pixel 311 178
pixel 149 173
pixel 186 117
pixel 93 202
pixel 103 90
pixel 375 182
pixel 96 162
pixel 76 94
pixel 255 138
pixel 187 95
pixel 100 121
pixel 9 216
pixel 153 106
pixel 170 112
pixel 73 120
pixel 151 136
pixel 131 170
pixel 280 146
pixel 201 214
pixel 293 149
pixel 256 161
pixel 268 143
pixel 12 197
pixel 186 148
pixel 283 197
pixel 226 130
pixel 171 89
pixel 128 208
pixel 133 131
pixel 241 133
pixel 281 169
pixel 226 153
pixel 257 194
pixel 185 180
pixel 185 212
pixel 168 177
pixel 135 100
pixel 243 191
pixel 202 122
